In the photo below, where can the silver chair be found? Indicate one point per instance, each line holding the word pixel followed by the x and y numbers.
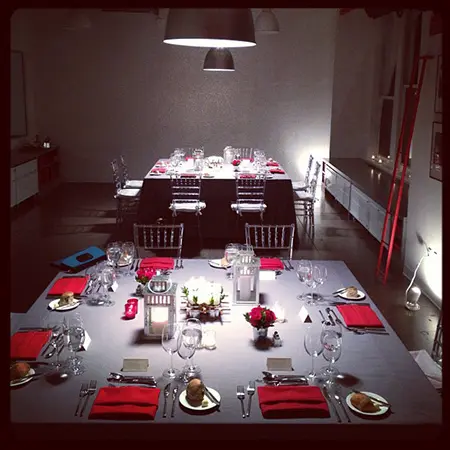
pixel 271 237
pixel 305 199
pixel 304 185
pixel 250 194
pixel 148 238
pixel 126 182
pixel 186 193
pixel 242 152
pixel 127 199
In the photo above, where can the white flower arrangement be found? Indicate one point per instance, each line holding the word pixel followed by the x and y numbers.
pixel 202 293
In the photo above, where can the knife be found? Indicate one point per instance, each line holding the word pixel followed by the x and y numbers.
pixel 52 340
pixel 339 291
pixel 212 398
pixel 323 317
pixel 25 329
pixel 174 397
pixel 333 323
pixel 55 346
pixel 327 396
pixel 166 394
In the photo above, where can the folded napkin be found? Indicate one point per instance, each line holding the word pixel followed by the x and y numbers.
pixel 158 170
pixel 272 163
pixel 125 402
pixel 157 263
pixel 247 159
pixel 189 157
pixel 247 175
pixel 277 170
pixel 359 316
pixel 28 344
pixel 285 402
pixel 188 175
pixel 271 264
pixel 69 284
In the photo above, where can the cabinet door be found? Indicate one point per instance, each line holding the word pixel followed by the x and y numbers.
pixel 330 180
pixel 27 186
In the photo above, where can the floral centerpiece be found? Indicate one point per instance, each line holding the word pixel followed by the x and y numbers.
pixel 143 276
pixel 202 297
pixel 236 162
pixel 260 319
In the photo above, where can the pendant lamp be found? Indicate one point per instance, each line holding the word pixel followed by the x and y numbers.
pixel 219 60
pixel 267 22
pixel 210 27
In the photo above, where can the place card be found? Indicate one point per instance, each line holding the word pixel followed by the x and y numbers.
pixel 304 315
pixel 114 286
pixel 135 365
pixel 279 364
pixel 87 341
pixel 266 275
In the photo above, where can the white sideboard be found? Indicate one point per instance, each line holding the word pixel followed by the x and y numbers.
pixel 24 181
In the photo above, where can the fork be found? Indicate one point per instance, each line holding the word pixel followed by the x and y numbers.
pixel 83 393
pixel 250 392
pixel 240 393
pixel 91 391
pixel 340 403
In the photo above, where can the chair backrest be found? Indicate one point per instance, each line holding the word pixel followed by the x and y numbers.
pixel 316 171
pixel 270 237
pixel 158 237
pixel 250 190
pixel 436 351
pixel 242 152
pixel 125 176
pixel 186 189
pixel 116 175
pixel 308 169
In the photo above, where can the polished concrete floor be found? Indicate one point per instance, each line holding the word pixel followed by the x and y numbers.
pixel 77 215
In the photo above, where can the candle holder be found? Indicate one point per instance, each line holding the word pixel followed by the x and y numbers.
pixel 412 299
pixel 246 279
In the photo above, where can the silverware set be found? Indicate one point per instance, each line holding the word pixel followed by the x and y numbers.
pixel 287 265
pixel 179 264
pixel 338 400
pixel 86 391
pixel 166 396
pixel 240 393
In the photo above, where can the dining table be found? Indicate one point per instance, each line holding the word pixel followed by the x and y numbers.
pixel 218 190
pixel 382 364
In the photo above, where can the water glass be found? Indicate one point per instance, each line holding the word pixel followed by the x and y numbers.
pixel 331 338
pixel 319 277
pixel 185 353
pixel 313 346
pixel 75 335
pixel 171 340
pixel 128 256
pixel 304 274
pixel 231 253
pixel 113 253
pixel 107 279
pixel 192 337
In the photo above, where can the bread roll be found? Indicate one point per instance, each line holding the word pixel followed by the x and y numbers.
pixel 18 371
pixel 352 292
pixel 363 403
pixel 195 392
pixel 66 299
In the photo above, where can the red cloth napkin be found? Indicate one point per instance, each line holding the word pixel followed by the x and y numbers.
pixel 285 402
pixel 247 159
pixel 247 175
pixel 69 284
pixel 359 316
pixel 159 170
pixel 270 264
pixel 272 163
pixel 157 263
pixel 29 344
pixel 277 170
pixel 188 175
pixel 125 402
pixel 189 157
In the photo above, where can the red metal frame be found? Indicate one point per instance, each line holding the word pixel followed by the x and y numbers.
pixel 412 94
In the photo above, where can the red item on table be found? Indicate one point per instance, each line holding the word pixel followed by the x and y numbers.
pixel 247 175
pixel 359 316
pixel 247 159
pixel 134 302
pixel 125 403
pixel 159 170
pixel 188 175
pixel 270 264
pixel 69 284
pixel 189 157
pixel 29 344
pixel 272 163
pixel 284 402
pixel 130 311
pixel 277 170
pixel 157 262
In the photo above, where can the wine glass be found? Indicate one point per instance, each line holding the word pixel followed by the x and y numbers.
pixel 313 346
pixel 76 335
pixel 231 252
pixel 304 273
pixel 185 353
pixel 331 338
pixel 56 325
pixel 107 278
pixel 128 255
pixel 171 340
pixel 113 253
pixel 191 338
pixel 320 275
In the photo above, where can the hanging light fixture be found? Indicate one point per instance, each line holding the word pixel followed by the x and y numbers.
pixel 219 60
pixel 213 27
pixel 267 22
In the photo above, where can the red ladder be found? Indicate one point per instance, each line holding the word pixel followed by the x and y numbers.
pixel 412 100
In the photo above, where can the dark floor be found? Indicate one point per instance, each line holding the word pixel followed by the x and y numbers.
pixel 77 215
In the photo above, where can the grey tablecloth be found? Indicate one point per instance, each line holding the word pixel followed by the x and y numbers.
pixel 381 362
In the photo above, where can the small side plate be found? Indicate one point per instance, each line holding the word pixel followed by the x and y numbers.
pixel 53 305
pixel 210 405
pixel 360 296
pixel 217 264
pixel 383 409
pixel 23 380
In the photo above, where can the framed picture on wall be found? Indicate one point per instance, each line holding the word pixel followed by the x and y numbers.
pixel 436 152
pixel 438 94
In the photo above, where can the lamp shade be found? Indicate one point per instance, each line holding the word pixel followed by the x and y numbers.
pixel 210 27
pixel 266 22
pixel 219 60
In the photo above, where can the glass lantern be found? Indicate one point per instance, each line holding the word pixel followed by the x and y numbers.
pixel 228 155
pixel 159 306
pixel 198 156
pixel 246 279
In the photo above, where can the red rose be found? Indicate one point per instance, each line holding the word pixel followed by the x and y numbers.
pixel 255 323
pixel 236 162
pixel 256 314
pixel 270 316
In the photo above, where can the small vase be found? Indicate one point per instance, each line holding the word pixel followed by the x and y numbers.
pixel 139 290
pixel 259 333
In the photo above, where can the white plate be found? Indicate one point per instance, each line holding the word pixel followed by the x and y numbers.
pixel 361 295
pixel 217 264
pixel 24 380
pixel 54 303
pixel 383 409
pixel 210 404
pixel 208 175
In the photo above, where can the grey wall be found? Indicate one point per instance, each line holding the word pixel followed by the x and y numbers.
pixel 116 88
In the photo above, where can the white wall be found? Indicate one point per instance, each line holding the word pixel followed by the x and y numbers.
pixel 116 88
pixel 425 193
pixel 22 40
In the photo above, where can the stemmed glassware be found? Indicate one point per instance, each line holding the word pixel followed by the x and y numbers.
pixel 57 330
pixel 331 338
pixel 107 278
pixel 76 335
pixel 231 253
pixel 171 340
pixel 128 256
pixel 304 274
pixel 113 253
pixel 185 353
pixel 191 338
pixel 313 346
pixel 320 275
